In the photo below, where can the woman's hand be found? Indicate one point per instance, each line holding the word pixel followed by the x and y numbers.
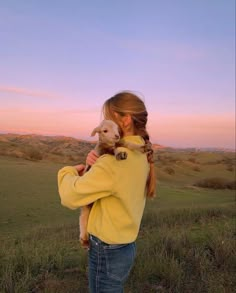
pixel 91 158
pixel 80 169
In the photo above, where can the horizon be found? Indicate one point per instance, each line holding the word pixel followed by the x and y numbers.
pixel 62 59
pixel 93 140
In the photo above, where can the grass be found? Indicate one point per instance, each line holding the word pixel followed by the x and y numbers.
pixel 186 241
pixel 188 251
pixel 29 197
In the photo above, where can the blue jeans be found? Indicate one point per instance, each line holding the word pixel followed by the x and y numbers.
pixel 109 265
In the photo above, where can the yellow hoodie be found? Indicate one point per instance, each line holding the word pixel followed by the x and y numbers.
pixel 117 189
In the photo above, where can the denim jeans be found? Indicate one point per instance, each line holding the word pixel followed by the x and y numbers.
pixel 109 265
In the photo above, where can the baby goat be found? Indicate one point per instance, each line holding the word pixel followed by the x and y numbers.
pixel 108 143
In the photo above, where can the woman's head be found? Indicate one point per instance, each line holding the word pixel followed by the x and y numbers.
pixel 127 104
pixel 128 110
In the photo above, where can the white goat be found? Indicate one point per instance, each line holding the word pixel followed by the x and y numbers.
pixel 108 143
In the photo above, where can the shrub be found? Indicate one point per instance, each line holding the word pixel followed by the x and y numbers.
pixel 215 183
pixel 71 158
pixel 169 170
pixel 16 154
pixel 33 154
pixel 232 184
pixel 196 168
pixel 230 168
pixel 193 160
pixel 57 153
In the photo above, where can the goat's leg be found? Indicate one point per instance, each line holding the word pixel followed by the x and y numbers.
pixel 83 222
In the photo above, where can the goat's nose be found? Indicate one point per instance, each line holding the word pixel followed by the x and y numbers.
pixel 117 136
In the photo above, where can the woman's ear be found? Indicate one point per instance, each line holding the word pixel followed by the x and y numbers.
pixel 126 120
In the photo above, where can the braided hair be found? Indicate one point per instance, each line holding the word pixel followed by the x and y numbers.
pixel 125 103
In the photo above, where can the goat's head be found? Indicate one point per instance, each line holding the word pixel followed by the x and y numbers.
pixel 108 132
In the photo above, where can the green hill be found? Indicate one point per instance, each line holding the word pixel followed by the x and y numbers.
pixel 186 241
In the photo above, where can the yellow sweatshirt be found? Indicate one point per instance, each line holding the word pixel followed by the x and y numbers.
pixel 117 189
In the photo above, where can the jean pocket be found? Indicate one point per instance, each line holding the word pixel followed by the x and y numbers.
pixel 119 260
pixel 93 243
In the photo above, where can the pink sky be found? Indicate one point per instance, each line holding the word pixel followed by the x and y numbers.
pixel 179 130
pixel 60 60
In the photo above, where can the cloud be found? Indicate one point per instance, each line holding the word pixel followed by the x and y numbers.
pixel 48 111
pixel 29 92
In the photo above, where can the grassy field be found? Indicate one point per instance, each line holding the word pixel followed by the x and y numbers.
pixel 186 242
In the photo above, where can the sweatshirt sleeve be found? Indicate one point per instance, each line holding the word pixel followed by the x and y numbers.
pixel 76 191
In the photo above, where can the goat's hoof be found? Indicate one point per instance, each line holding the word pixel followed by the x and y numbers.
pixel 121 156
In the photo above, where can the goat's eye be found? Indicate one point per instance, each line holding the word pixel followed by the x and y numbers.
pixel 105 131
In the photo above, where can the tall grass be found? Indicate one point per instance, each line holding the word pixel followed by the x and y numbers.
pixel 177 251
pixel 186 242
pixel 187 251
pixel 28 264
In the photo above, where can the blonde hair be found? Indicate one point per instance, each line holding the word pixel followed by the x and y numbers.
pixel 129 103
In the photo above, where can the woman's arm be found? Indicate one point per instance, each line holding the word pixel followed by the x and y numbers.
pixel 76 191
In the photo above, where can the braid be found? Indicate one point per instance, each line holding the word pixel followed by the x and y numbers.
pixel 149 150
pixel 151 182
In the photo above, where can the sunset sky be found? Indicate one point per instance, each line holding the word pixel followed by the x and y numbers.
pixel 61 59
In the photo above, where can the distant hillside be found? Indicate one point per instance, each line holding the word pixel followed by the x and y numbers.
pixel 65 149
pixel 174 166
pixel 37 147
pixel 56 148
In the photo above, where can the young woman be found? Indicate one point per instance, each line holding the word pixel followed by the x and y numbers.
pixel 118 191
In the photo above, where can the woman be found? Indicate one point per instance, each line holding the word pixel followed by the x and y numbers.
pixel 118 191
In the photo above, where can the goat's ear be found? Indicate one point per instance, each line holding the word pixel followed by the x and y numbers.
pixel 97 129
